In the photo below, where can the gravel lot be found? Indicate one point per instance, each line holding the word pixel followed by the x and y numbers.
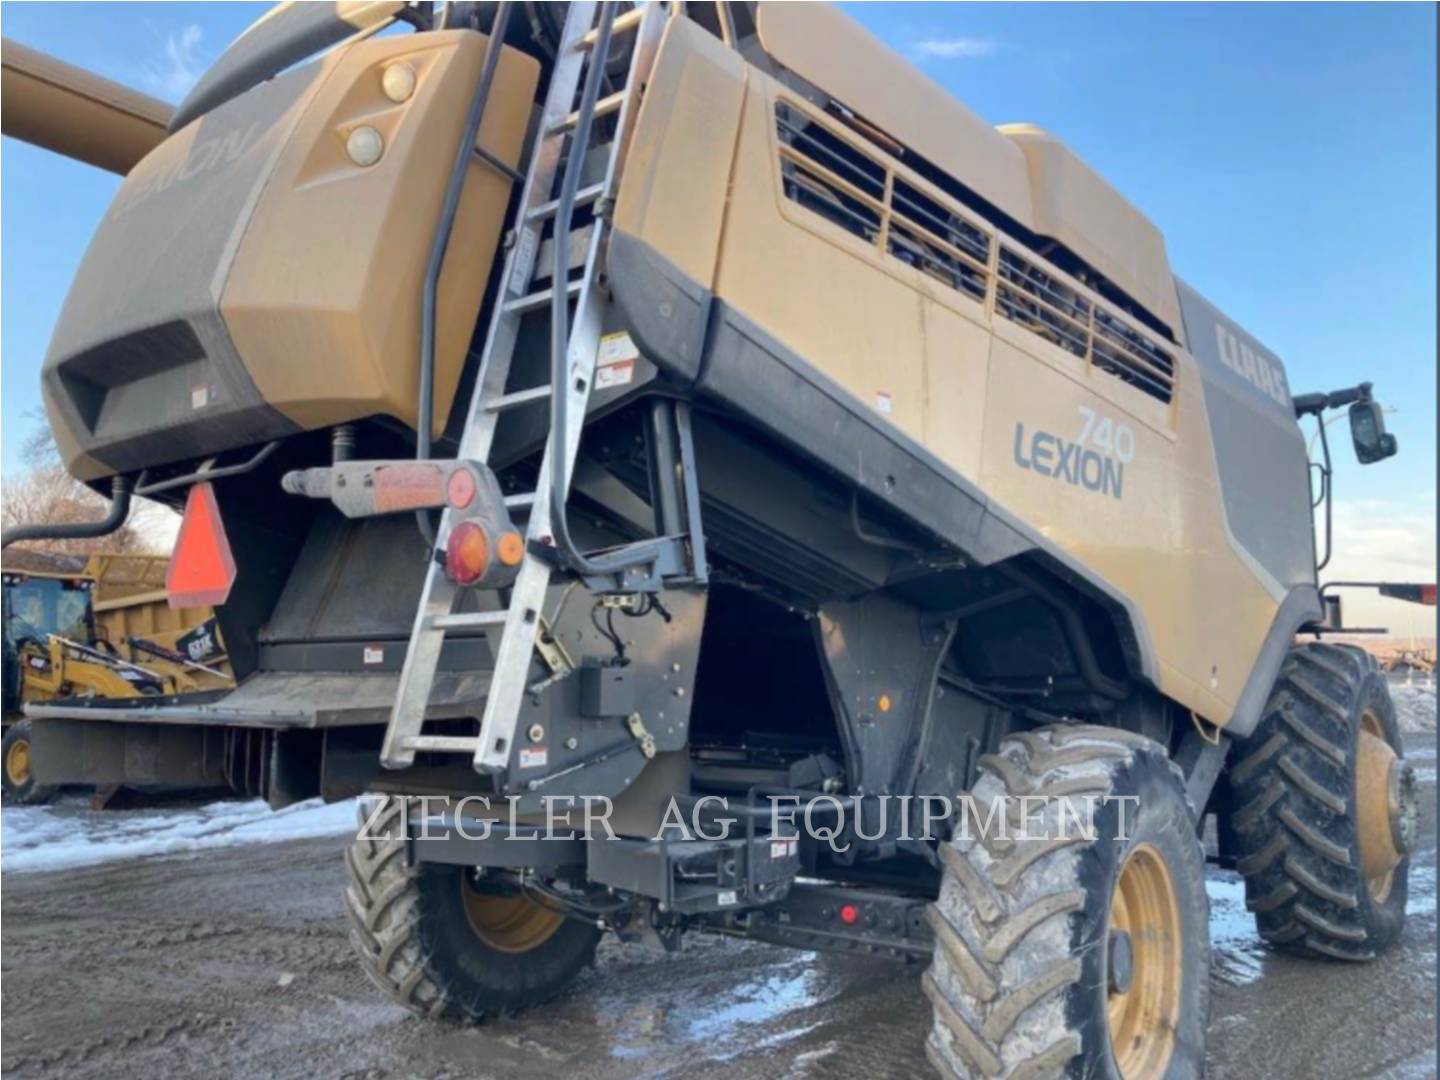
pixel 233 961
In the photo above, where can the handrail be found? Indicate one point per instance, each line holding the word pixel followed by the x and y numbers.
pixel 571 555
pixel 429 294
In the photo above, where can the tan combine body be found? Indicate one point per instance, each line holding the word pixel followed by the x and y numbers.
pixel 673 403
pixel 942 364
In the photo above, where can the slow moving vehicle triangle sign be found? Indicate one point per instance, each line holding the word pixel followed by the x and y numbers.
pixel 202 568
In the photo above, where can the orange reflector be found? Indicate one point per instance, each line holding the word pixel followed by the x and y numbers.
pixel 202 569
pixel 467 553
pixel 510 549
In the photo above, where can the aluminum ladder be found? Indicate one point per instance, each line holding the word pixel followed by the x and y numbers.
pixel 519 621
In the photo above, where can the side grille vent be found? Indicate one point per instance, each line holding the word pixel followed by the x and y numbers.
pixel 836 179
pixel 831 175
pixel 1044 304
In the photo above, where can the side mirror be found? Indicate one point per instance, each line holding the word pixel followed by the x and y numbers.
pixel 1367 429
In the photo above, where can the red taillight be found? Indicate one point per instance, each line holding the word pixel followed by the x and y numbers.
pixel 467 553
pixel 849 914
pixel 474 555
pixel 1427 595
pixel 460 489
pixel 202 569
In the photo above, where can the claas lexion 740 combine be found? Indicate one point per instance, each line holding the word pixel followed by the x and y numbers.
pixel 657 402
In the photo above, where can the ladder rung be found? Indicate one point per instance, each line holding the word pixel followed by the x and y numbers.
pixel 539 299
pixel 516 502
pixel 461 620
pixel 582 197
pixel 447 744
pixel 604 107
pixel 628 21
pixel 579 251
pixel 519 397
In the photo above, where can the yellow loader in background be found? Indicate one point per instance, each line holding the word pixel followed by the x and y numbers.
pixel 104 633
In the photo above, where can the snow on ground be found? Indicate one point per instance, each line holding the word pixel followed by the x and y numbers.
pixel 1414 705
pixel 67 833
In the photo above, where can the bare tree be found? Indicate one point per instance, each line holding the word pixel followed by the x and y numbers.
pixel 46 494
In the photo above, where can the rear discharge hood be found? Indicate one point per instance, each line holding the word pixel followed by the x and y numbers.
pixel 250 280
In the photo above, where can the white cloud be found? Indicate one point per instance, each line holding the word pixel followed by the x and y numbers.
pixel 179 67
pixel 960 48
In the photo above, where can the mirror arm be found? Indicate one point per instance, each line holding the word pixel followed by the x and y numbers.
pixel 1325 474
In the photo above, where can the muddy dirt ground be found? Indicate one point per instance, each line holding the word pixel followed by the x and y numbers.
pixel 235 963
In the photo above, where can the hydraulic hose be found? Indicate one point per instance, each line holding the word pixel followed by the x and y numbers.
pixel 78 530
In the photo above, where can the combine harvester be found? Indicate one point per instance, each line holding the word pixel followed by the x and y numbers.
pixel 674 401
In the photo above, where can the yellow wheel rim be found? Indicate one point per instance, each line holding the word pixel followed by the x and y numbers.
pixel 17 762
pixel 1144 1001
pixel 508 923
pixel 1385 816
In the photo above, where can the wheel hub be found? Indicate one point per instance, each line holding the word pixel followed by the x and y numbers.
pixel 17 762
pixel 511 923
pixel 1144 950
pixel 1388 810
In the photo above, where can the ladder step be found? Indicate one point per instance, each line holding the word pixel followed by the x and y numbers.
pixel 463 619
pixel 583 197
pixel 579 250
pixel 517 502
pixel 446 744
pixel 604 107
pixel 628 21
pixel 540 299
pixel 519 397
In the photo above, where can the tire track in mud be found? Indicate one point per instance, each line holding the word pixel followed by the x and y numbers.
pixel 78 1054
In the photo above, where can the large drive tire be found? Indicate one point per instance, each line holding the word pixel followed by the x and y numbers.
pixel 442 948
pixel 16 752
pixel 1322 809
pixel 1073 952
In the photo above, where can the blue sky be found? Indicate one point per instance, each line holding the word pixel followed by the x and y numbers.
pixel 1287 152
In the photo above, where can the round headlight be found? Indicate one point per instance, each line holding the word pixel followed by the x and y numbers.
pixel 365 146
pixel 398 82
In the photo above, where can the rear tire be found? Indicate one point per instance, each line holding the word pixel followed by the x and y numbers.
pixel 1298 803
pixel 442 948
pixel 1028 930
pixel 16 752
